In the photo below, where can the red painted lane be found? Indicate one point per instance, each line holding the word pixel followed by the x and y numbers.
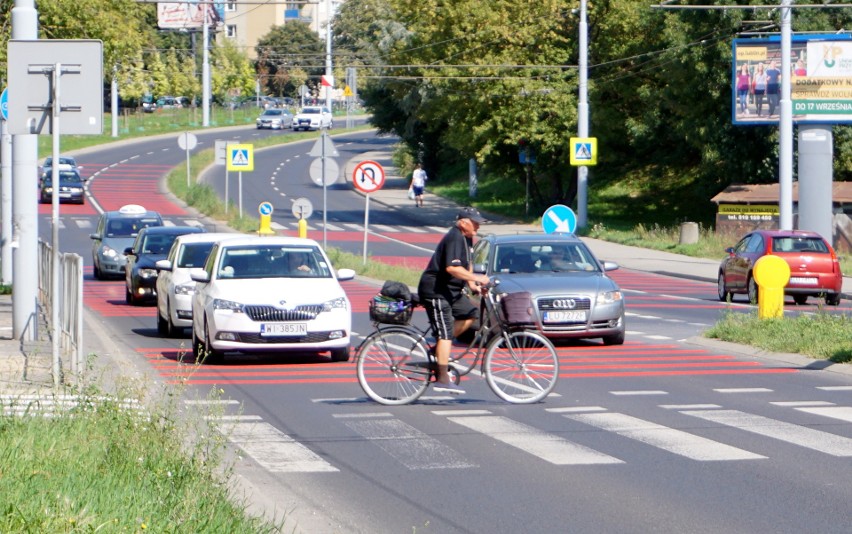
pixel 126 183
pixel 107 298
pixel 67 209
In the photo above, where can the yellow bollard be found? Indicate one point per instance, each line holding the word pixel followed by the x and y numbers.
pixel 303 228
pixel 771 274
pixel 265 225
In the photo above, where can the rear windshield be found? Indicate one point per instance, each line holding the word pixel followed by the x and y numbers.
pixel 129 226
pixel 799 244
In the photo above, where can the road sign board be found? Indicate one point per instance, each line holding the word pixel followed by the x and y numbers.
pixel 368 176
pixel 332 171
pixel 187 141
pixel 240 157
pixel 323 147
pixel 221 154
pixel 4 104
pixel 265 208
pixel 584 151
pixel 558 219
pixel 302 208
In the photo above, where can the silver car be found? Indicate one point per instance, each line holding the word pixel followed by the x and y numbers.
pixel 115 232
pixel 573 296
pixel 274 119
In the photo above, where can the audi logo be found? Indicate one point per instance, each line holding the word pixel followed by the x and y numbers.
pixel 567 304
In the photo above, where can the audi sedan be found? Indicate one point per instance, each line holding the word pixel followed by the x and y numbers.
pixel 274 119
pixel 573 296
pixel 270 294
pixel 814 267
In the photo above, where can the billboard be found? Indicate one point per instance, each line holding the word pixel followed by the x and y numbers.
pixel 820 80
pixel 189 15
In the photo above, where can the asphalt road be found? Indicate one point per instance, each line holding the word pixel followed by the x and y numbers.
pixel 657 435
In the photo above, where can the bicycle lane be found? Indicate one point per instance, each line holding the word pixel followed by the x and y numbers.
pixel 584 359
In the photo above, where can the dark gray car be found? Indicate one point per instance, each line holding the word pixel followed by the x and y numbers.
pixel 573 296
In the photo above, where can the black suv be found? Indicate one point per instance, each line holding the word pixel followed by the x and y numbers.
pixel 151 245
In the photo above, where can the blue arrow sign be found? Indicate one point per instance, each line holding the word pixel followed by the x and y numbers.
pixel 265 208
pixel 4 104
pixel 559 219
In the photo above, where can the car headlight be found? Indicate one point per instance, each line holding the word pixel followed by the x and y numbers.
pixel 48 190
pixel 230 305
pixel 339 302
pixel 608 297
pixel 147 273
pixel 76 189
pixel 108 252
pixel 185 289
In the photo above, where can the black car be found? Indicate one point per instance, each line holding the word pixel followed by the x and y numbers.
pixel 70 187
pixel 151 245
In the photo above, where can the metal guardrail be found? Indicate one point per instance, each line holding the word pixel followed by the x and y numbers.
pixel 70 306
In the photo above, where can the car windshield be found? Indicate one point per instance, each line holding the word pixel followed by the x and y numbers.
pixel 65 177
pixel 157 244
pixel 272 112
pixel 129 226
pixel 193 255
pixel 538 257
pixel 799 244
pixel 311 111
pixel 272 261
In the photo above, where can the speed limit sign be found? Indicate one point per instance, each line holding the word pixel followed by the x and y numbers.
pixel 368 176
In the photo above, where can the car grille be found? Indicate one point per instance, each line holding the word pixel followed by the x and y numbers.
pixel 305 312
pixel 312 337
pixel 562 303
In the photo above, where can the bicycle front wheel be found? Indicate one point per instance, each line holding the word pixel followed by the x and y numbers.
pixel 521 367
pixel 394 367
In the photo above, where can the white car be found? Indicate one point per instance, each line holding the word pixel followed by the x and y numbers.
pixel 174 286
pixel 313 118
pixel 277 294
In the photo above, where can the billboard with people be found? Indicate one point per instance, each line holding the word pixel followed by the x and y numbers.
pixel 189 15
pixel 820 79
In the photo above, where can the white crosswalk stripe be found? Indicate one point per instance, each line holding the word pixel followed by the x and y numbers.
pixel 548 447
pixel 787 432
pixel 844 413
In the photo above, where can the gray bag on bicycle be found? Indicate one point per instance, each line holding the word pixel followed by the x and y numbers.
pixel 518 308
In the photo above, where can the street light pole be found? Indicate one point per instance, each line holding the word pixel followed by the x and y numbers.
pixel 583 116
pixel 785 137
pixel 328 68
pixel 205 70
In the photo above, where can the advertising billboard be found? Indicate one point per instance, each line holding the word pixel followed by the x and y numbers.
pixel 820 80
pixel 189 15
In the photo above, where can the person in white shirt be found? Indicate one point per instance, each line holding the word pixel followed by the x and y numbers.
pixel 418 184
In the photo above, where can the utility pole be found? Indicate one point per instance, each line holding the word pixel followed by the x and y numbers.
pixel 328 68
pixel 583 116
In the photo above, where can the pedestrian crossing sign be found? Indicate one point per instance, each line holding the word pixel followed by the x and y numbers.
pixel 240 157
pixel 584 151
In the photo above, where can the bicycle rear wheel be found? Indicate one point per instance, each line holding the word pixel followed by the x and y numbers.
pixel 393 367
pixel 522 371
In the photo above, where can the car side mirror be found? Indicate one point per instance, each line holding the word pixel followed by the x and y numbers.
pixel 345 274
pixel 163 265
pixel 199 275
pixel 610 266
pixel 479 268
pixel 94 236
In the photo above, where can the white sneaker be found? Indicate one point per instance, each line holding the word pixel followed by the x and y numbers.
pixel 448 387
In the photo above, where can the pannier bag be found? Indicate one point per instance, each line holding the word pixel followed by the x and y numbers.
pixel 395 290
pixel 388 310
pixel 517 308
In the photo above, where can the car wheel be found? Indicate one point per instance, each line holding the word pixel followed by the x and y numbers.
pixel 197 347
pixel 724 294
pixel 800 299
pixel 211 355
pixel 832 300
pixel 97 272
pixel 615 339
pixel 162 325
pixel 340 355
pixel 752 290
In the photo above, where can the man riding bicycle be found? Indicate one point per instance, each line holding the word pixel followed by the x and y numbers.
pixel 440 290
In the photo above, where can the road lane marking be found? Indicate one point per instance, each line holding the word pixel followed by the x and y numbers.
pixel 743 390
pixel 273 450
pixel 638 392
pixel 844 413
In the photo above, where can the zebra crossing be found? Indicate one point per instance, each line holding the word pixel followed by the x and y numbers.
pixel 415 449
pixel 87 223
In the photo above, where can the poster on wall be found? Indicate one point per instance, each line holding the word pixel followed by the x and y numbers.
pixel 189 15
pixel 820 80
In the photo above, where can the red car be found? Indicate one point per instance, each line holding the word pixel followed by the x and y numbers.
pixel 814 268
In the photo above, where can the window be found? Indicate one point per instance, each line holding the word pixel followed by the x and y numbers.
pixel 230 7
pixel 231 31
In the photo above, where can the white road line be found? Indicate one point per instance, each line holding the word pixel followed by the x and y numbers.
pixel 277 226
pixel 409 446
pixel 788 432
pixel 331 227
pixel 461 412
pixel 659 338
pixel 844 413
pixel 835 388
pixel 548 447
pixel 361 415
pixel 354 227
pixel 802 403
pixel 668 439
pixel 638 392
pixel 384 228
pixel 689 406
pixel 743 390
pixel 275 451
pixel 413 229
pixel 337 400
pixel 438 229
pixel 83 223
pixel 576 409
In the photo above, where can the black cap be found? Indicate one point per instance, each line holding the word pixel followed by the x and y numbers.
pixel 472 214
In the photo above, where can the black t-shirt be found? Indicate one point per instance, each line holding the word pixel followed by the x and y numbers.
pixel 454 249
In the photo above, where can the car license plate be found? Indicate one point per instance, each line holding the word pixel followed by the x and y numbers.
pixel 284 329
pixel 803 281
pixel 564 316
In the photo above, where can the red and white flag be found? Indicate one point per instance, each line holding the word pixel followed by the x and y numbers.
pixel 327 81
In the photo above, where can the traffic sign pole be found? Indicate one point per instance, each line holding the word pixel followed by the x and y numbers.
pixel 366 224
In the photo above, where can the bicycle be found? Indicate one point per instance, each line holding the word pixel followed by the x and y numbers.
pixel 395 364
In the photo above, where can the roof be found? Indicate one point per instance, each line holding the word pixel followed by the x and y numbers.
pixel 172 230
pixel 537 238
pixel 207 237
pixel 270 240
pixel 841 193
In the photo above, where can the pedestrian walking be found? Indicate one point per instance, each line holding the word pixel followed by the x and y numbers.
pixel 418 184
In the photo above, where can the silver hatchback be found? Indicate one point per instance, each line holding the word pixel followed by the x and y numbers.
pixel 573 296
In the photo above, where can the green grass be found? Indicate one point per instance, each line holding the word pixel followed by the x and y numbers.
pixel 103 467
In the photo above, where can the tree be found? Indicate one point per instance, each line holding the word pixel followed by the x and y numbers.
pixel 231 71
pixel 285 48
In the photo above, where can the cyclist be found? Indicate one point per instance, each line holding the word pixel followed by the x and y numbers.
pixel 440 290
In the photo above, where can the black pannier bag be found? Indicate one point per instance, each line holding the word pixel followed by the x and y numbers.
pixel 395 290
pixel 517 308
pixel 393 304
